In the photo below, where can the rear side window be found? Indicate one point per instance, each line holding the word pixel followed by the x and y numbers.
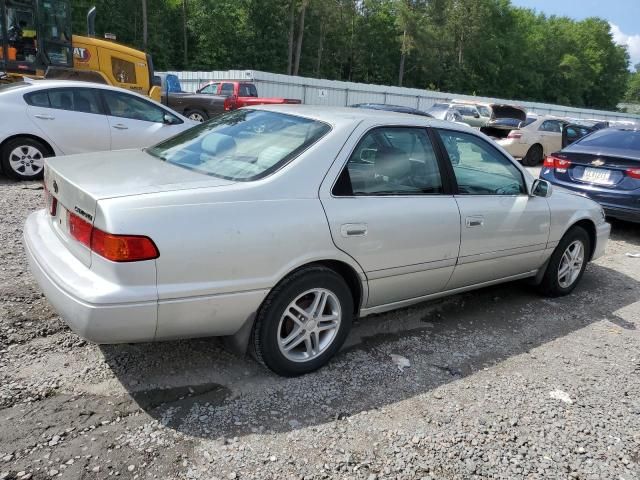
pixel 227 89
pixel 248 90
pixel 391 161
pixel 550 126
pixel 38 99
pixel 82 100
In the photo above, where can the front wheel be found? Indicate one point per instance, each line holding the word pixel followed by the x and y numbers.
pixel 23 158
pixel 567 263
pixel 303 322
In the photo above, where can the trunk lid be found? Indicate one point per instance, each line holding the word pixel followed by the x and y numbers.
pixel 600 170
pixel 507 111
pixel 76 183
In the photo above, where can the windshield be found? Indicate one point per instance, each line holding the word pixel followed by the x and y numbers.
pixel 243 145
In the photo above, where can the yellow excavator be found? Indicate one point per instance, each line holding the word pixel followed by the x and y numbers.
pixel 36 42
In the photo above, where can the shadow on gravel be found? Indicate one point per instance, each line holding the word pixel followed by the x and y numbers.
pixel 199 388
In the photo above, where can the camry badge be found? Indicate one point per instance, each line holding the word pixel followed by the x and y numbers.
pixel 597 163
pixel 55 187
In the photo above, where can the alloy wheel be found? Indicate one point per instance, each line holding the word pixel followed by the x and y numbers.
pixel 196 117
pixel 26 160
pixel 309 325
pixel 571 264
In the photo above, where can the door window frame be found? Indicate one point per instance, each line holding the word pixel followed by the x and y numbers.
pixel 449 187
pixel 451 172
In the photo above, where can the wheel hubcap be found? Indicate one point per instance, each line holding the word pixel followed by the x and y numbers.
pixel 309 325
pixel 196 117
pixel 571 264
pixel 26 160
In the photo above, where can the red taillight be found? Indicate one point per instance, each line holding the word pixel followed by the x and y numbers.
pixel 230 102
pixel 51 202
pixel 79 229
pixel 559 164
pixel 117 248
pixel 514 134
pixel 634 173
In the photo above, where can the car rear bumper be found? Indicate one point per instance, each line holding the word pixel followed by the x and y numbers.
pixel 84 300
pixel 515 149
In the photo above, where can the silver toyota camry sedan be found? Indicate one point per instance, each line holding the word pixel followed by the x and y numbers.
pixel 278 225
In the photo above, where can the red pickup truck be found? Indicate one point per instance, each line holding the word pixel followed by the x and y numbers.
pixel 240 94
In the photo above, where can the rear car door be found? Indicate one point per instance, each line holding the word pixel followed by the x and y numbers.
pixel 390 208
pixel 504 231
pixel 550 132
pixel 72 117
pixel 135 122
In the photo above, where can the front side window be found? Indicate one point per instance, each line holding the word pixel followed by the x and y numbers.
pixel 484 111
pixel 82 100
pixel 127 106
pixel 243 145
pixel 391 161
pixel 480 169
pixel 210 89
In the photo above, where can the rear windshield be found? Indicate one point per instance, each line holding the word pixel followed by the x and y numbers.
pixel 611 141
pixel 243 145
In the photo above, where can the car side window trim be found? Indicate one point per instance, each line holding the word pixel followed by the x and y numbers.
pixel 456 189
pixel 71 91
pixel 445 177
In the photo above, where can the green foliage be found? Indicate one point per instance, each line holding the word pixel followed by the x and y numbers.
pixel 487 47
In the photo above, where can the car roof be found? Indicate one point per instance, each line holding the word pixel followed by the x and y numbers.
pixel 349 115
pixel 41 84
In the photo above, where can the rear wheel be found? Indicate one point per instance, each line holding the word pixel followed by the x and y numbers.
pixel 567 263
pixel 533 156
pixel 303 322
pixel 197 116
pixel 23 158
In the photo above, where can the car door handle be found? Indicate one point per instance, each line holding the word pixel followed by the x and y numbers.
pixel 353 230
pixel 120 126
pixel 43 116
pixel 474 222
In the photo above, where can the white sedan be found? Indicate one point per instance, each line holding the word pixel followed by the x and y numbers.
pixel 537 138
pixel 48 118
pixel 278 225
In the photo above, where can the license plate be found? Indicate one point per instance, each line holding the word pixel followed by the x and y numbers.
pixel 596 175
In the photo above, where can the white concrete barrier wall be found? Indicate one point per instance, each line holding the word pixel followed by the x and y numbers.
pixel 314 91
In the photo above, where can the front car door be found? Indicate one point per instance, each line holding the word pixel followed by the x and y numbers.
pixel 72 117
pixel 136 122
pixel 504 231
pixel 390 208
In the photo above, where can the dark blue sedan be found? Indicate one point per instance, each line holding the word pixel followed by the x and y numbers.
pixel 604 166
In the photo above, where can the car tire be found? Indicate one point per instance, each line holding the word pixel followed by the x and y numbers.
pixel 533 156
pixel 197 116
pixel 276 343
pixel 557 283
pixel 23 158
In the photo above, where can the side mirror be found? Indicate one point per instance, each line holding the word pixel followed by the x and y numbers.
pixel 368 155
pixel 541 188
pixel 169 119
pixel 476 115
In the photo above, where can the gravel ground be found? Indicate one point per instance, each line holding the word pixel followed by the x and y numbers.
pixel 501 384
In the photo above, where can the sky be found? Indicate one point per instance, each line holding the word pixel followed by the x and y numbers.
pixel 623 15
